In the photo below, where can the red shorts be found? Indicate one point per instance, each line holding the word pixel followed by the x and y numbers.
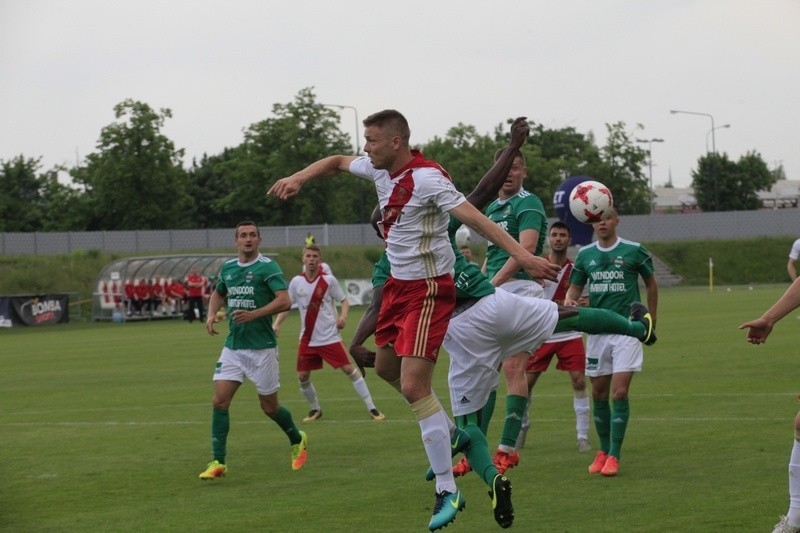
pixel 571 356
pixel 311 357
pixel 414 315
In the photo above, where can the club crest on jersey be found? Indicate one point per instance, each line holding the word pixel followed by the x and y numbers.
pixel 618 262
pixel 248 277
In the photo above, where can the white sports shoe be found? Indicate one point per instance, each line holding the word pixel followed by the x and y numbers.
pixel 584 445
pixel 784 527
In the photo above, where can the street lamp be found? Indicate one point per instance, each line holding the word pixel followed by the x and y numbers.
pixel 650 161
pixel 355 111
pixel 712 131
pixel 713 141
pixel 713 149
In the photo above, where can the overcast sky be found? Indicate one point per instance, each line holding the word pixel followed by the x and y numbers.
pixel 220 66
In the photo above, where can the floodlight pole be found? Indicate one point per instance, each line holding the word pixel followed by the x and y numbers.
pixel 650 164
pixel 355 112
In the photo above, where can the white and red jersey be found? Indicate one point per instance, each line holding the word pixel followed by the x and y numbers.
pixel 557 291
pixel 315 300
pixel 414 202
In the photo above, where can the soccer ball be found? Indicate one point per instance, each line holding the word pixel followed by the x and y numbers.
pixel 589 201
pixel 463 237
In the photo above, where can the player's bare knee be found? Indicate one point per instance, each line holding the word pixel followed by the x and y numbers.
pixel 221 403
pixel 620 394
pixel 269 405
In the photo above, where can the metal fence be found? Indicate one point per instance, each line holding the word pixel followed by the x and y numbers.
pixel 644 228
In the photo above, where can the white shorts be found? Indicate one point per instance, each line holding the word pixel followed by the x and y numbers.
pixel 492 330
pixel 608 354
pixel 259 366
pixel 524 287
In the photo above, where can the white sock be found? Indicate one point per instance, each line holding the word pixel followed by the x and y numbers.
pixel 436 439
pixel 580 403
pixel 793 516
pixel 310 393
pixel 433 425
pixel 361 389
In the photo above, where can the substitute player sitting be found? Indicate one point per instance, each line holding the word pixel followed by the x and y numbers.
pixel 315 294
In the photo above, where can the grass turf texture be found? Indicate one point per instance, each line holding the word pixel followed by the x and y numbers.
pixel 106 427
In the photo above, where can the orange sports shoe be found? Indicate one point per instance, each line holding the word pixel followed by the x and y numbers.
pixel 611 467
pixel 299 453
pixel 462 468
pixel 599 462
pixel 504 460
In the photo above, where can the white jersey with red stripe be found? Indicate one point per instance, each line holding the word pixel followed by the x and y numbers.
pixel 317 309
pixel 414 202
pixel 557 291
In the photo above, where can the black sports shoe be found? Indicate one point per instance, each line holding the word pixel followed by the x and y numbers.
pixel 640 313
pixel 501 501
pixel 313 415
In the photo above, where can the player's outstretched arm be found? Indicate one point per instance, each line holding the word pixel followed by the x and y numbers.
pixel 286 188
pixel 491 182
pixel 528 239
pixel 761 327
pixel 536 267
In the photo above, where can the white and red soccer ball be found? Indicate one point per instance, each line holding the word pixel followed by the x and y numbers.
pixel 590 201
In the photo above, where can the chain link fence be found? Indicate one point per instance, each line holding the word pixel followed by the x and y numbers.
pixel 643 228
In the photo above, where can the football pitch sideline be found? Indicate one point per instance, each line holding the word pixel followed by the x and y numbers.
pixel 105 427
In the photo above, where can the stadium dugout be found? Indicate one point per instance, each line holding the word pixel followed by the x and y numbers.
pixel 143 288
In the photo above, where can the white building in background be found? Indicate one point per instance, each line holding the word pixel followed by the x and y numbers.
pixel 784 194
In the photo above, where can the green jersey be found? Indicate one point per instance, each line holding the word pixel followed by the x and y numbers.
pixel 470 282
pixel 612 273
pixel 250 286
pixel 522 211
pixel 381 271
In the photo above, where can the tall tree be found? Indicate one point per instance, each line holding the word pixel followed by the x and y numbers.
pixel 135 180
pixel 621 170
pixel 20 195
pixel 556 154
pixel 210 182
pixel 300 132
pixel 464 153
pixel 723 185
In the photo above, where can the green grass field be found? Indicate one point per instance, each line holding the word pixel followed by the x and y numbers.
pixel 105 427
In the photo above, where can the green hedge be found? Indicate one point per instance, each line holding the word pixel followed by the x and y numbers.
pixel 738 262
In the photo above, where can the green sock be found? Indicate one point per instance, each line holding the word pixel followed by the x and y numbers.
pixel 602 423
pixel 515 410
pixel 478 454
pixel 486 412
pixel 620 413
pixel 284 419
pixel 598 321
pixel 220 425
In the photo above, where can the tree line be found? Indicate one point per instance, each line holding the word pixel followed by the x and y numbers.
pixel 136 179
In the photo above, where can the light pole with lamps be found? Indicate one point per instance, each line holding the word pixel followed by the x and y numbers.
pixel 713 141
pixel 712 131
pixel 713 147
pixel 355 111
pixel 650 162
